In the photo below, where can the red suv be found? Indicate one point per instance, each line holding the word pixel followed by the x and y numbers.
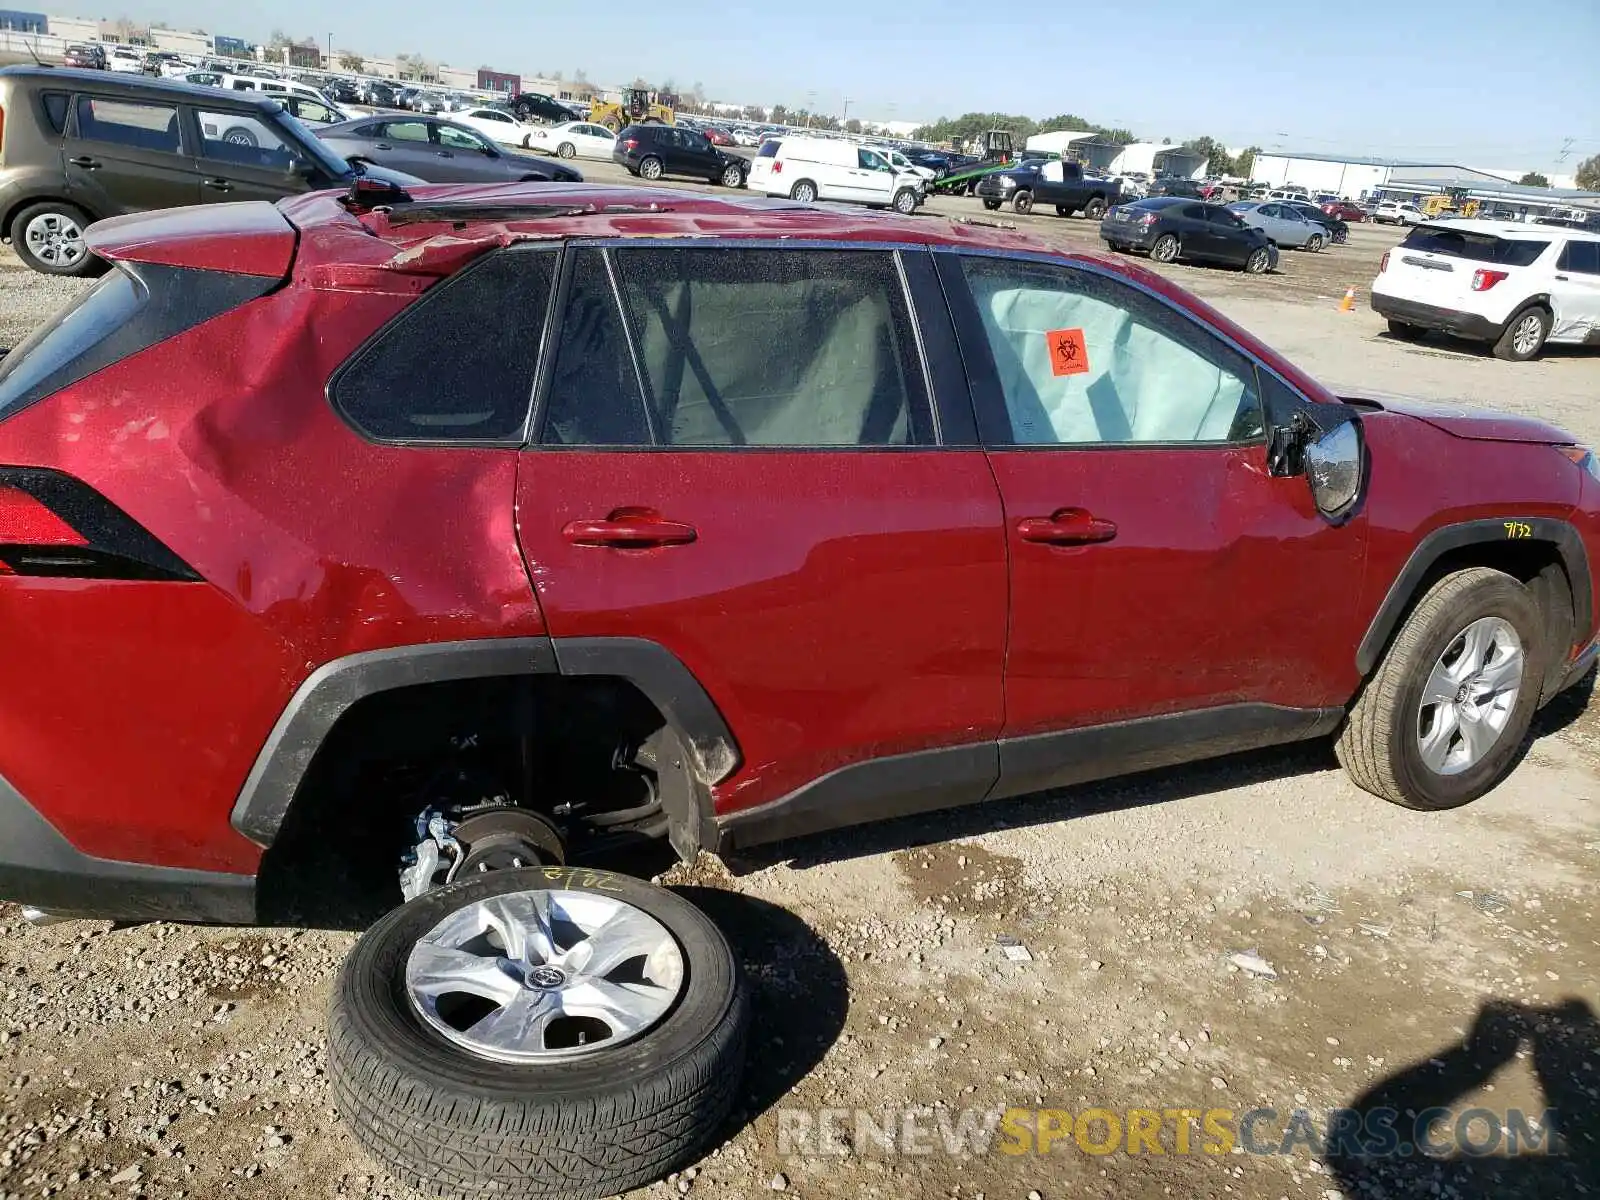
pixel 550 519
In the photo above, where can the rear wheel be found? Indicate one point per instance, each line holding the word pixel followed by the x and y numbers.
pixel 1095 209
pixel 240 136
pixel 1166 248
pixel 905 202
pixel 1258 261
pixel 546 1032
pixel 1064 210
pixel 805 191
pixel 992 205
pixel 49 239
pixel 1022 202
pixel 567 150
pixel 1524 335
pixel 1405 331
pixel 650 169
pixel 1315 244
pixel 1441 720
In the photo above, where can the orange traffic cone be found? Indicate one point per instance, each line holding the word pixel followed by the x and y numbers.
pixel 1348 304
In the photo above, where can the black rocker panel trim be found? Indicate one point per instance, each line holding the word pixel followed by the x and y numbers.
pixel 38 866
pixel 1468 533
pixel 944 778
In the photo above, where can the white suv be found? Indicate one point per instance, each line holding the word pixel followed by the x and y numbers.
pixel 1515 286
pixel 1398 212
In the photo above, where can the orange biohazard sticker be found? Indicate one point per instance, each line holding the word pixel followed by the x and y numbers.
pixel 1068 354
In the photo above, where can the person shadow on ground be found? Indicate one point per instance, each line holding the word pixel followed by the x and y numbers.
pixel 1559 1147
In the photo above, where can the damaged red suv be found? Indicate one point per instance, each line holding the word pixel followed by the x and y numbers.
pixel 522 524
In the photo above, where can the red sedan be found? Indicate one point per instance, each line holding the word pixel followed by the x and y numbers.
pixel 1345 211
pixel 718 137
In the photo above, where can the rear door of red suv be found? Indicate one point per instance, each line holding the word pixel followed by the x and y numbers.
pixel 737 459
pixel 1169 597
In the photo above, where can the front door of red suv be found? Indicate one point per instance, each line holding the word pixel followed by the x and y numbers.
pixel 736 460
pixel 1169 597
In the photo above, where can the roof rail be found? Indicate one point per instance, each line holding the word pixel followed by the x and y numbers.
pixel 479 210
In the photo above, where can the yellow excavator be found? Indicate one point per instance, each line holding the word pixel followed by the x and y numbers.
pixel 639 106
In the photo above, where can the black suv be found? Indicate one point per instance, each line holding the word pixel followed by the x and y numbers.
pixel 651 151
pixel 81 145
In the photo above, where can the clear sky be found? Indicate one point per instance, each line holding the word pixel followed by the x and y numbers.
pixel 1501 83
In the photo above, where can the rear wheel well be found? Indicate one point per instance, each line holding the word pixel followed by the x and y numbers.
pixel 591 753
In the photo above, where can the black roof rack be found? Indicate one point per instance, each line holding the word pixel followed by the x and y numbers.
pixel 402 210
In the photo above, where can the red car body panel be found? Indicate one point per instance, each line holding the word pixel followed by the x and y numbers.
pixel 835 607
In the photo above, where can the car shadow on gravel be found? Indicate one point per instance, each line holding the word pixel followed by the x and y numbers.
pixel 1559 1147
pixel 798 990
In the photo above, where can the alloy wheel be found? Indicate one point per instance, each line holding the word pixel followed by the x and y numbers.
pixel 1525 338
pixel 1469 696
pixel 544 976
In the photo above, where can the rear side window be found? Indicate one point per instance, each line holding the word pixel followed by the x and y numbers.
pixel 56 105
pixel 1582 257
pixel 129 310
pixel 1477 247
pixel 764 348
pixel 457 365
pixel 769 149
pixel 141 126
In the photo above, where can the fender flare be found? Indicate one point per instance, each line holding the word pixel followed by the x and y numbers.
pixel 1440 542
pixel 333 688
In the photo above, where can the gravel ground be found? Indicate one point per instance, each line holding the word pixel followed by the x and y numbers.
pixel 169 1061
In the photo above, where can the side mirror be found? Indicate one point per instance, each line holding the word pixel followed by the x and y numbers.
pixel 1333 469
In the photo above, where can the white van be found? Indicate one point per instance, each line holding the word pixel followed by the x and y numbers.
pixel 811 168
pixel 270 87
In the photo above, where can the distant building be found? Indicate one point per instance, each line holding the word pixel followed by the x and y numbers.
pixel 1119 158
pixel 498 81
pixel 1368 179
pixel 23 22
pixel 232 47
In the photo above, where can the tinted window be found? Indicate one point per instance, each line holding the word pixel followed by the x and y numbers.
pixel 84 323
pixel 594 397
pixel 405 131
pixel 56 105
pixel 765 348
pixel 1582 257
pixel 1195 212
pixel 1221 216
pixel 460 139
pixel 459 363
pixel 142 126
pixel 1083 360
pixel 1478 247
pixel 769 149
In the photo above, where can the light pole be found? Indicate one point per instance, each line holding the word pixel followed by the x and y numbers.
pixel 329 61
pixel 845 119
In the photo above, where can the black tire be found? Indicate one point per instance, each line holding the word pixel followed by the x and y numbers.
pixel 992 205
pixel 804 191
pixel 58 228
pixel 449 1124
pixel 905 202
pixel 1258 262
pixel 1065 210
pixel 1404 331
pixel 1377 747
pixel 1166 248
pixel 1022 202
pixel 566 150
pixel 1314 244
pixel 1095 209
pixel 650 168
pixel 1524 335
pixel 732 176
pixel 240 136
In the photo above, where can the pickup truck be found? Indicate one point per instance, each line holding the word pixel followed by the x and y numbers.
pixel 1062 184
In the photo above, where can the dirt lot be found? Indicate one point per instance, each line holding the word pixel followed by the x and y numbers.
pixel 1449 959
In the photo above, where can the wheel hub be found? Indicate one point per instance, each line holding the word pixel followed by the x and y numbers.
pixel 545 978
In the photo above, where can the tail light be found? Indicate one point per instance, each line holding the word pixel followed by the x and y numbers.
pixel 1383 263
pixel 25 521
pixel 1149 218
pixel 1482 281
pixel 630 144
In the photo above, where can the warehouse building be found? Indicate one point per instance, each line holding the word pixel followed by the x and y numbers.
pixel 1364 178
pixel 1116 158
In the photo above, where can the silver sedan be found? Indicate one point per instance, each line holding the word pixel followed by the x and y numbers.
pixel 1282 224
